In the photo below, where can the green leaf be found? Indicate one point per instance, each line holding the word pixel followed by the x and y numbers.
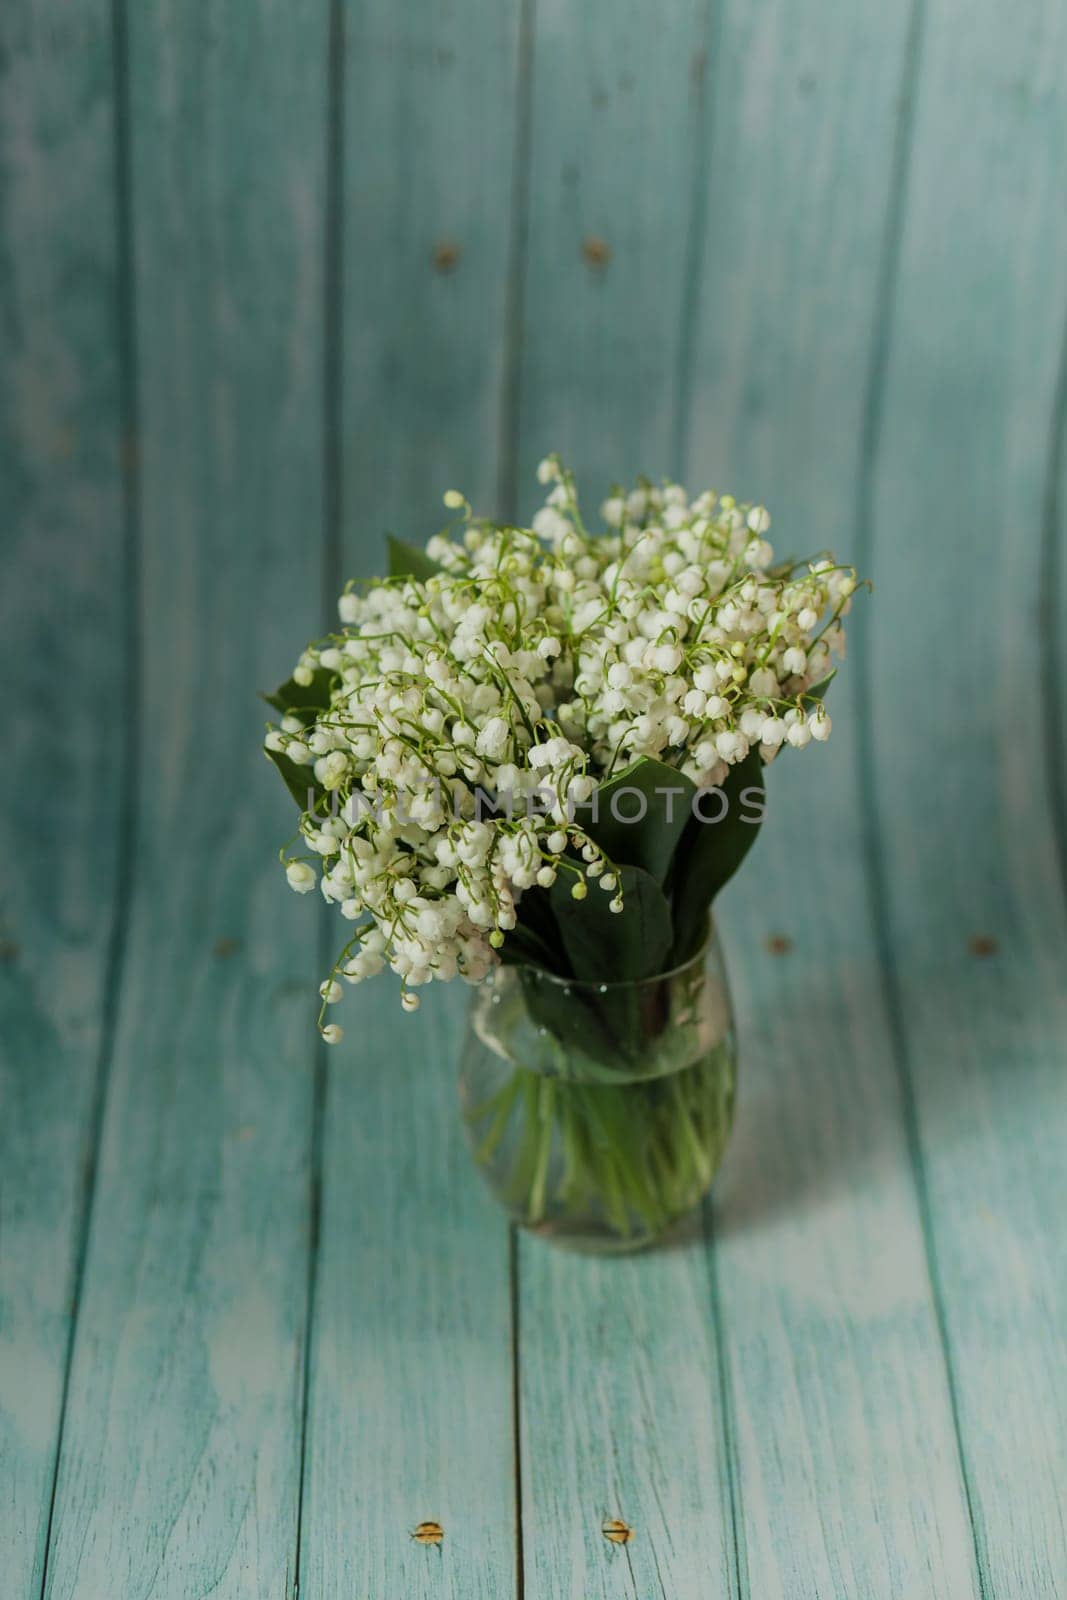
pixel 292 699
pixel 523 947
pixel 818 690
pixel 600 946
pixel 711 852
pixel 298 780
pixel 408 561
pixel 604 946
pixel 535 918
pixel 641 815
pixel 591 1028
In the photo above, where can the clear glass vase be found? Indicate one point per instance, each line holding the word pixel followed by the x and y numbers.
pixel 598 1113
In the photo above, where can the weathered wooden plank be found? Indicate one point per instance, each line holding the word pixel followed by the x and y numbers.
pixel 619 1361
pixel 846 1456
pixel 621 1419
pixel 62 635
pixel 618 124
pixel 974 930
pixel 179 1467
pixel 1053 610
pixel 430 120
pixel 410 1414
pixel 411 1408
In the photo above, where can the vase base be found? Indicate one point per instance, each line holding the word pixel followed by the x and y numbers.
pixel 580 1239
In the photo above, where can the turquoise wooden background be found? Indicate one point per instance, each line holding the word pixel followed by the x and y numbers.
pixel 273 275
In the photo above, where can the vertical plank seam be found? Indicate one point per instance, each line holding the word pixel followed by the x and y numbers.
pixel 515 303
pixel 318 1117
pixel 333 314
pixel 728 1431
pixel 507 507
pixel 1053 602
pixel 689 314
pixel 516 1406
pixel 696 227
pixel 869 445
pixel 332 511
pixel 128 450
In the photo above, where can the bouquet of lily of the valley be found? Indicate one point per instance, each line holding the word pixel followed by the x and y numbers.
pixel 531 758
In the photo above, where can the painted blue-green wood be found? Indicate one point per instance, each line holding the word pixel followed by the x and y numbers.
pixel 839 231
pixel 1053 611
pixel 618 143
pixel 62 641
pixel 958 494
pixel 410 1412
pixel 843 1439
pixel 179 1467
pixel 619 1361
pixel 430 123
pixel 621 1419
pixel 410 1415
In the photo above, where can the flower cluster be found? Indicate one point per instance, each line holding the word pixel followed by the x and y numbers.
pixel 534 663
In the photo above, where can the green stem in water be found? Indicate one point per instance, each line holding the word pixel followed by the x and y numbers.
pixel 546 1129
pixel 500 1105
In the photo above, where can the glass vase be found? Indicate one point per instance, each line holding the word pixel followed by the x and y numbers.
pixel 598 1113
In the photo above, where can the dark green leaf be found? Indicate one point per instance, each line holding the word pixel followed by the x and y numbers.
pixel 523 947
pixel 305 701
pixel 408 561
pixel 641 815
pixel 298 780
pixel 711 852
pixel 590 1027
pixel 604 946
pixel 536 917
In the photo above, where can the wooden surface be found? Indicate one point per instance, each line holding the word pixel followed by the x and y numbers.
pixel 271 278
